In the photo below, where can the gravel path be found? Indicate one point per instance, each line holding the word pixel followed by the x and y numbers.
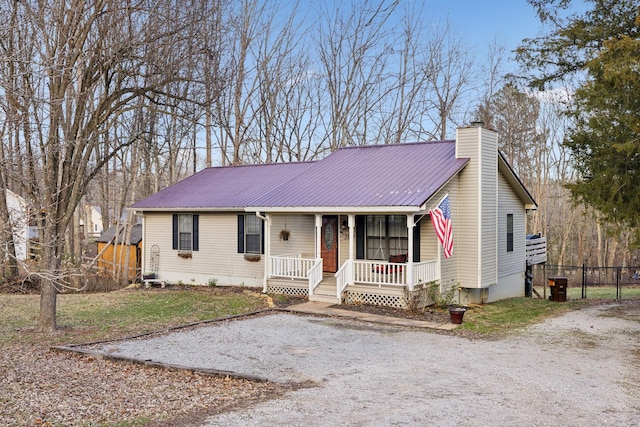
pixel 581 369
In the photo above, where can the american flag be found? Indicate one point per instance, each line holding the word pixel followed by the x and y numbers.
pixel 441 219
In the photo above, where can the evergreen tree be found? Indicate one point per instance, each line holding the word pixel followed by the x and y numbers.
pixel 602 47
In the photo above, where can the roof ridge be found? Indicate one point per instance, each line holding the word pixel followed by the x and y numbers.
pixel 448 141
pixel 257 164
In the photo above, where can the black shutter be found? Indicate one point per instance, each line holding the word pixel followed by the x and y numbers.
pixel 240 234
pixel 360 229
pixel 196 245
pixel 262 238
pixel 175 232
pixel 416 242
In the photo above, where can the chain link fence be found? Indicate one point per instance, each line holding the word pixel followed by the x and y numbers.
pixel 589 282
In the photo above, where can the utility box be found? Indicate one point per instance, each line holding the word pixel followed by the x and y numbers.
pixel 558 287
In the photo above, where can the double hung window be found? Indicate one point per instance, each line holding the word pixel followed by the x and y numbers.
pixel 185 232
pixel 250 234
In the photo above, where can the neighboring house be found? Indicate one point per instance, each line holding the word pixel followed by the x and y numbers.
pixel 19 216
pixel 92 221
pixel 353 227
pixel 119 252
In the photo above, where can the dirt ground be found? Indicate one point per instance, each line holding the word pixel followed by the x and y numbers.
pixel 580 369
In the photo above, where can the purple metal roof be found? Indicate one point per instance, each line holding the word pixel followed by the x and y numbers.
pixel 222 187
pixel 367 176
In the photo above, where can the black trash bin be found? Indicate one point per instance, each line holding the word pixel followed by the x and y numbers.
pixel 558 287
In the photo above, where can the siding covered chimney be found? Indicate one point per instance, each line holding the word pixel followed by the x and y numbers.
pixel 477 244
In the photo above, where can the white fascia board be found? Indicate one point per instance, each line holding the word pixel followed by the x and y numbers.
pixel 187 209
pixel 334 209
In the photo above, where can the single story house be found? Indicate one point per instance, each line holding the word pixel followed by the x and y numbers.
pixel 355 226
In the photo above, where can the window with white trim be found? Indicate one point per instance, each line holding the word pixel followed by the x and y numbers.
pixel 509 232
pixel 250 234
pixel 185 232
pixel 386 235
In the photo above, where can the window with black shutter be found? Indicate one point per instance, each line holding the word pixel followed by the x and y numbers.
pixel 185 232
pixel 250 234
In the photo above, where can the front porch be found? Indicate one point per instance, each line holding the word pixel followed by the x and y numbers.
pixel 356 281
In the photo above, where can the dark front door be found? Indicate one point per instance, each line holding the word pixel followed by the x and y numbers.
pixel 329 244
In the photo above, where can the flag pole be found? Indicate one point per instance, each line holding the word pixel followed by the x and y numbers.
pixel 441 199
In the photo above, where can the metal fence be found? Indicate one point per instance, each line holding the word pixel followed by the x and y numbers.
pixel 590 282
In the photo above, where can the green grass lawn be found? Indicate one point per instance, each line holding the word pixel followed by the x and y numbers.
pixel 509 315
pixel 599 292
pixel 101 316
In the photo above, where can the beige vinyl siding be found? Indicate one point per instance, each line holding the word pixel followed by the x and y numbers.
pixel 430 247
pixel 217 257
pixel 489 202
pixel 343 243
pixel 510 262
pixel 302 235
pixel 478 207
pixel 429 244
pixel 466 223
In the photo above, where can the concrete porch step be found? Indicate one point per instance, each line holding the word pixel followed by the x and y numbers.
pixel 325 292
pixel 329 299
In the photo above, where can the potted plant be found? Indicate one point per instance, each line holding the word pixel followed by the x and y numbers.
pixel 444 298
pixel 456 313
pixel 284 234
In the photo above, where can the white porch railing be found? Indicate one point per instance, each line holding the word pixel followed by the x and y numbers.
pixel 426 271
pixel 291 266
pixel 344 277
pixel 315 275
pixel 380 273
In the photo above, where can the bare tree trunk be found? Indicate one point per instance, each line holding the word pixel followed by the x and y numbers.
pixel 93 65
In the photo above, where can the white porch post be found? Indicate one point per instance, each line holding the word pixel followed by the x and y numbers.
pixel 318 235
pixel 352 244
pixel 352 225
pixel 410 228
pixel 267 248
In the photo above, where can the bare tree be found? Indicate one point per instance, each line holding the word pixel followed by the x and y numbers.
pixel 492 80
pixel 407 100
pixel 449 68
pixel 91 63
pixel 352 50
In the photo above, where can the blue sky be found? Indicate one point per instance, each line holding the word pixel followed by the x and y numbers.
pixel 482 22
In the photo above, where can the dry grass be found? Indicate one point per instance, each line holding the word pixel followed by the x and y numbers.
pixel 39 386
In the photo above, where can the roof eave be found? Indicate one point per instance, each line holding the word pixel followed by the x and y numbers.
pixel 333 209
pixel 187 209
pixel 426 203
pixel 516 183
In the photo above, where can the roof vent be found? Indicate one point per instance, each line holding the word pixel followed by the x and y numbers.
pixel 477 124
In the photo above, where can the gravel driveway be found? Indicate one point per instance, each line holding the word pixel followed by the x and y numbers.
pixel 581 369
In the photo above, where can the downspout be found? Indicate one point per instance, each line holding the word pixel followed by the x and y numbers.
pixel 267 248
